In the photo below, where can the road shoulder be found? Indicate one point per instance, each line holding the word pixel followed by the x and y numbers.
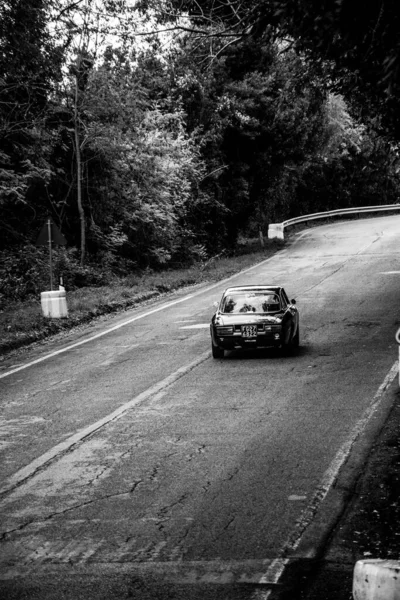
pixel 368 525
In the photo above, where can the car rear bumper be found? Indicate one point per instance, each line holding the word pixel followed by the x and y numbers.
pixel 232 342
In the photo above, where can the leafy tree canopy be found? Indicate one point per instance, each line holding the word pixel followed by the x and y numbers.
pixel 357 40
pixel 162 149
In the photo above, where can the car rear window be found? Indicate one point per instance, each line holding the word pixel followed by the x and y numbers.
pixel 257 302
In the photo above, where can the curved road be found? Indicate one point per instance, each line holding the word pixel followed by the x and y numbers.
pixel 133 465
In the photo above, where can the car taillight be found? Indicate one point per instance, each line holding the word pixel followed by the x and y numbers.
pixel 225 330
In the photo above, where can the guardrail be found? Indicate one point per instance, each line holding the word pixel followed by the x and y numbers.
pixel 276 230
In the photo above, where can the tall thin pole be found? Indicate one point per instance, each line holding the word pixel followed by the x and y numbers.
pixel 50 253
pixel 79 168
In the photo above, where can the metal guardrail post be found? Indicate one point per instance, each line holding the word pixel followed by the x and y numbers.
pixel 398 343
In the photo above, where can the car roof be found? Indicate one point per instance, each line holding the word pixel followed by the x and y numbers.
pixel 253 288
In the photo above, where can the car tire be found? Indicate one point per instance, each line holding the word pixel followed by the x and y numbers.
pixel 289 345
pixel 217 352
pixel 296 339
pixel 286 342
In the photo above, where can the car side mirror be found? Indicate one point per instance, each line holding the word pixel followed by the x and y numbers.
pixel 293 301
pixel 215 304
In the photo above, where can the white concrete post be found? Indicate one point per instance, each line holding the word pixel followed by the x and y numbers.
pixel 376 579
pixel 54 304
pixel 275 230
pixel 398 342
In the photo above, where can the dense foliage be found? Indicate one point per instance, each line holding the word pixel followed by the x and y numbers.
pixel 161 150
pixel 358 41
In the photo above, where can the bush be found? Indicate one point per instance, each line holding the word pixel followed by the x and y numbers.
pixel 67 266
pixel 25 272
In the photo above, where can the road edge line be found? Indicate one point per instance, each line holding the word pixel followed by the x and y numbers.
pixel 300 534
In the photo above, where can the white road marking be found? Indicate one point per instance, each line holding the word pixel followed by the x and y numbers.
pixel 27 472
pixel 181 571
pixel 93 337
pixel 277 567
pixel 389 273
pixel 185 321
pixel 197 326
pixel 129 321
pixel 260 572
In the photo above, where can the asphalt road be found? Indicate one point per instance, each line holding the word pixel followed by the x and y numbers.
pixel 133 465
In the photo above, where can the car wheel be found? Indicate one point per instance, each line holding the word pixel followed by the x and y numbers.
pixel 296 339
pixel 217 352
pixel 286 341
pixel 290 343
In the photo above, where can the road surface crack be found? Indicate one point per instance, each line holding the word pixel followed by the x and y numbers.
pixel 233 474
pixel 200 450
pixel 229 523
pixel 163 513
pixel 5 534
pixel 99 475
pixel 154 473
pixel 206 487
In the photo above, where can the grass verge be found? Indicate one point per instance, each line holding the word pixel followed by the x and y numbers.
pixel 24 323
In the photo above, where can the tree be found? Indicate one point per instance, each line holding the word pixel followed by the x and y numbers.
pixel 30 64
pixel 84 26
pixel 356 44
pixel 258 115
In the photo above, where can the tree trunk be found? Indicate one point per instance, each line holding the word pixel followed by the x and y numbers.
pixel 79 174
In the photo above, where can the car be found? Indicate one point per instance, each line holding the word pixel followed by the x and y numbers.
pixel 254 316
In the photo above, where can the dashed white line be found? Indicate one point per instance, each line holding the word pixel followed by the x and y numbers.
pixel 197 326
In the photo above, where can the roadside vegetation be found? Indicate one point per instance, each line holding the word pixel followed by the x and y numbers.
pixel 157 134
pixel 22 323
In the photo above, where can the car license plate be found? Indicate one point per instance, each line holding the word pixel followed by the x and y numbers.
pixel 249 331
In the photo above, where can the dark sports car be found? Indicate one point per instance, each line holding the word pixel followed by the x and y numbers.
pixel 254 316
